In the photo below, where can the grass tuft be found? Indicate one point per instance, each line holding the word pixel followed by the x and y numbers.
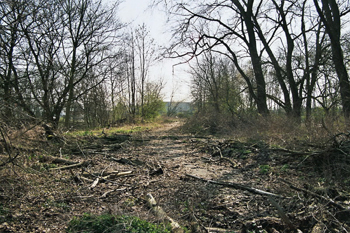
pixel 108 223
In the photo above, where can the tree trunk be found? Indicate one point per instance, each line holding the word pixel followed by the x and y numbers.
pixel 330 16
pixel 255 58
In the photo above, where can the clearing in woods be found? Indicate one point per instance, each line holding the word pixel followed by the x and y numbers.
pixel 205 184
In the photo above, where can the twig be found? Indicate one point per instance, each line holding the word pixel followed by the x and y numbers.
pixel 81 150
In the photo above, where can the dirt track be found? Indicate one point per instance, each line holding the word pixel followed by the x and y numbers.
pixel 159 160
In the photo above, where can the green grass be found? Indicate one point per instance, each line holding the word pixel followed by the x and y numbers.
pixel 127 129
pixel 264 169
pixel 108 223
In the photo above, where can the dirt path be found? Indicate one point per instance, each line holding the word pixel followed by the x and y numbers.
pixel 38 200
pixel 195 204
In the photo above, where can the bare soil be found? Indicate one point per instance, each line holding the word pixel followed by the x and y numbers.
pixel 37 197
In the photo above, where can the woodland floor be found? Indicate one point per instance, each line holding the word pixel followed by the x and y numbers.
pixel 37 197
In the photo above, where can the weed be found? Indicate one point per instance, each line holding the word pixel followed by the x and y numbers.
pixel 264 169
pixel 4 212
pixel 48 166
pixel 130 202
pixel 285 167
pixel 51 203
pixel 245 152
pixel 110 223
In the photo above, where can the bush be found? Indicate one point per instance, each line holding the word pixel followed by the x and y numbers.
pixel 108 223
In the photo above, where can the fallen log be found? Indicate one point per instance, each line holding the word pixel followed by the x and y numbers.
pixel 160 213
pixel 237 186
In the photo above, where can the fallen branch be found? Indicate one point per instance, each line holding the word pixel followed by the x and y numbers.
pixel 160 213
pixel 110 191
pixel 10 160
pixel 291 152
pixel 81 164
pixel 227 159
pixel 330 201
pixel 281 213
pixel 51 159
pixel 237 186
pixel 117 174
pixel 108 175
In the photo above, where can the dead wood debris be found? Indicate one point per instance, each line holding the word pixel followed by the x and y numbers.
pixel 269 195
pixel 328 200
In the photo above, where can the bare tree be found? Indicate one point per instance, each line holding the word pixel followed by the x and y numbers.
pixel 202 27
pixel 215 85
pixel 330 14
pixel 12 13
pixel 61 44
pixel 91 32
pixel 284 41
pixel 146 54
